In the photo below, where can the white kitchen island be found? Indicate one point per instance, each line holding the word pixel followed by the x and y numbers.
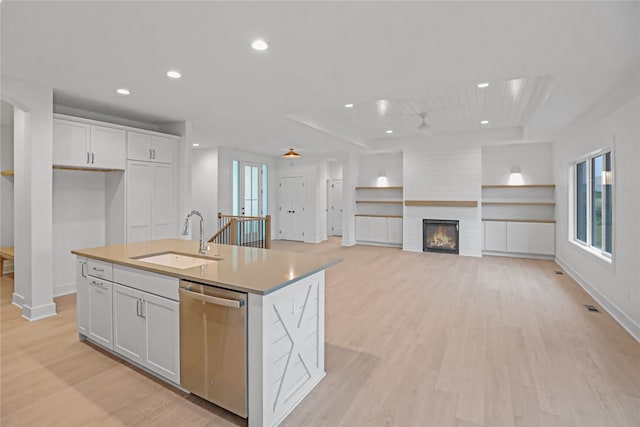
pixel 132 308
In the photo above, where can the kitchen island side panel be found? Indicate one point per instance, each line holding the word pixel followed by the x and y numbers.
pixel 287 362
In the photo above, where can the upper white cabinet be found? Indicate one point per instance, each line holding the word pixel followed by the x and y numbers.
pixel 84 145
pixel 150 148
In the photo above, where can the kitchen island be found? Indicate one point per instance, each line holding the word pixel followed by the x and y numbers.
pixel 131 301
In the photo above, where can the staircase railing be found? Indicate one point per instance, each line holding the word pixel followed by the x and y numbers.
pixel 253 231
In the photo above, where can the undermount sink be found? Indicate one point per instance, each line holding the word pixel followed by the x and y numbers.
pixel 176 260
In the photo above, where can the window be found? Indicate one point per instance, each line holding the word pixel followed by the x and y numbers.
pixel 594 202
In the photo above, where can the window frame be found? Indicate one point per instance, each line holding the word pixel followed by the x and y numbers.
pixel 573 212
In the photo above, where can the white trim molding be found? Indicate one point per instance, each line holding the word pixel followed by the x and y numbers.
pixel 40 312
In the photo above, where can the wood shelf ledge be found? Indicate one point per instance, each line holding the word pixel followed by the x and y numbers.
pixel 545 221
pixel 379 188
pixel 8 172
pixel 379 216
pixel 393 202
pixel 521 186
pixel 449 203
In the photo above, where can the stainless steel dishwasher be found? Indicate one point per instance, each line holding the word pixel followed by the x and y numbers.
pixel 213 345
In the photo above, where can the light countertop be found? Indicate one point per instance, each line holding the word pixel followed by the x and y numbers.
pixel 240 268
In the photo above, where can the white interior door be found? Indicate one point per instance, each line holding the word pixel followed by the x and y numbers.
pixel 335 207
pixel 251 200
pixel 291 208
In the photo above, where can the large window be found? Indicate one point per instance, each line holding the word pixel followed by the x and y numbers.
pixel 594 202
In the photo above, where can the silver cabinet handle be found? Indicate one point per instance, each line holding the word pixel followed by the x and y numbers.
pixel 138 309
pixel 150 155
pixel 99 270
pixel 92 156
pixel 212 300
pixel 142 309
pixel 84 264
pixel 98 284
pixel 154 153
pixel 87 157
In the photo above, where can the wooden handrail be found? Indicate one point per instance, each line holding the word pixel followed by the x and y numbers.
pixel 219 233
pixel 233 231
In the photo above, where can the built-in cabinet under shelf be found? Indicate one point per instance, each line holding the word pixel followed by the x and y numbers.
pixel 379 215
pixel 519 220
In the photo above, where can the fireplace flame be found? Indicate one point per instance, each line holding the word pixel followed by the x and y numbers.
pixel 441 239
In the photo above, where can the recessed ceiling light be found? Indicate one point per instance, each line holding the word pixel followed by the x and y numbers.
pixel 123 91
pixel 484 122
pixel 348 105
pixel 259 44
pixel 195 144
pixel 481 85
pixel 389 131
pixel 174 74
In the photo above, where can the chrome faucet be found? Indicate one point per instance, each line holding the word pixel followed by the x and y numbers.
pixel 185 231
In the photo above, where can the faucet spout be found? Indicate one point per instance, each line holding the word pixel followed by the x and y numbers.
pixel 185 230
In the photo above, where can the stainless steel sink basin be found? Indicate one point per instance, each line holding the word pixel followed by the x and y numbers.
pixel 176 260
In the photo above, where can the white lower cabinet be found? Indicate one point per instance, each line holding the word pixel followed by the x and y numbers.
pixel 375 229
pixel 527 238
pixel 100 312
pixel 82 296
pixel 147 330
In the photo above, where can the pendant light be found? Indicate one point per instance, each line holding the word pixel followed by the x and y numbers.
pixel 291 154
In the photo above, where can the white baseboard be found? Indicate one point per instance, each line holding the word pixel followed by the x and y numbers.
pixel 40 312
pixel 620 316
pixel 66 289
pixel 386 245
pixel 515 255
pixel 17 300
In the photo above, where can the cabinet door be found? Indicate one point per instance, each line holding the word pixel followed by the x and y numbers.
pixel 518 237
pixel 162 149
pixel 70 143
pixel 82 296
pixel 138 146
pixel 163 209
pixel 108 147
pixel 362 228
pixel 495 236
pixel 139 194
pixel 128 323
pixel 394 230
pixel 100 312
pixel 378 229
pixel 162 336
pixel 543 238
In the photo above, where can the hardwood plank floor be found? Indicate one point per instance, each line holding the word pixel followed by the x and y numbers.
pixel 411 340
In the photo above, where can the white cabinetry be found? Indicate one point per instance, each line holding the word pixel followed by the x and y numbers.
pixel 150 201
pixel 151 148
pixel 82 296
pixel 394 231
pixel 83 145
pixel 379 229
pixel 519 238
pixel 100 312
pixel 379 217
pixel 147 330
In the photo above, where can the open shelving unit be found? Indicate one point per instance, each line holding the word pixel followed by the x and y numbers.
pixel 379 215
pixel 519 220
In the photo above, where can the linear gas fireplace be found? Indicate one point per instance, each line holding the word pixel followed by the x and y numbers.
pixel 440 235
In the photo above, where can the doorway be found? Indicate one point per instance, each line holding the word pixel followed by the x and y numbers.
pixel 334 207
pixel 249 188
pixel 291 208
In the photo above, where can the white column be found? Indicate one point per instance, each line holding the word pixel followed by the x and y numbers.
pixel 33 241
pixel 349 182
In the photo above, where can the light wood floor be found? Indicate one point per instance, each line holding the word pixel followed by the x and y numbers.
pixel 411 340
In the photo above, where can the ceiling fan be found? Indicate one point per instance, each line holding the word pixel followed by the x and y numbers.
pixel 424 126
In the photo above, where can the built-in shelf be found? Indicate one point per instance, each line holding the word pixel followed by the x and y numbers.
pixel 75 168
pixel 379 188
pixel 8 172
pixel 545 221
pixel 449 203
pixel 520 203
pixel 379 216
pixel 393 202
pixel 521 186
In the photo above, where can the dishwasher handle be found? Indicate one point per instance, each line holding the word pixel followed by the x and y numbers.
pixel 210 299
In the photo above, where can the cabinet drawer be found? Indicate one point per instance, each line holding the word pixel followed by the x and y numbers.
pixel 100 269
pixel 153 283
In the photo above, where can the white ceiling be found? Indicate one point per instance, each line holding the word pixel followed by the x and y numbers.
pixel 417 56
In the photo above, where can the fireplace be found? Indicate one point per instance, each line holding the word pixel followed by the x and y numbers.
pixel 440 235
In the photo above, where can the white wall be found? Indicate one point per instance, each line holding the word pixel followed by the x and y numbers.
pixel 78 221
pixel 534 160
pixel 615 286
pixel 370 166
pixel 443 171
pixel 204 190
pixel 6 183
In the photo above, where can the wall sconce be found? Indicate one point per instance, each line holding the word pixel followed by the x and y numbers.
pixel 515 178
pixel 516 169
pixel 382 180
